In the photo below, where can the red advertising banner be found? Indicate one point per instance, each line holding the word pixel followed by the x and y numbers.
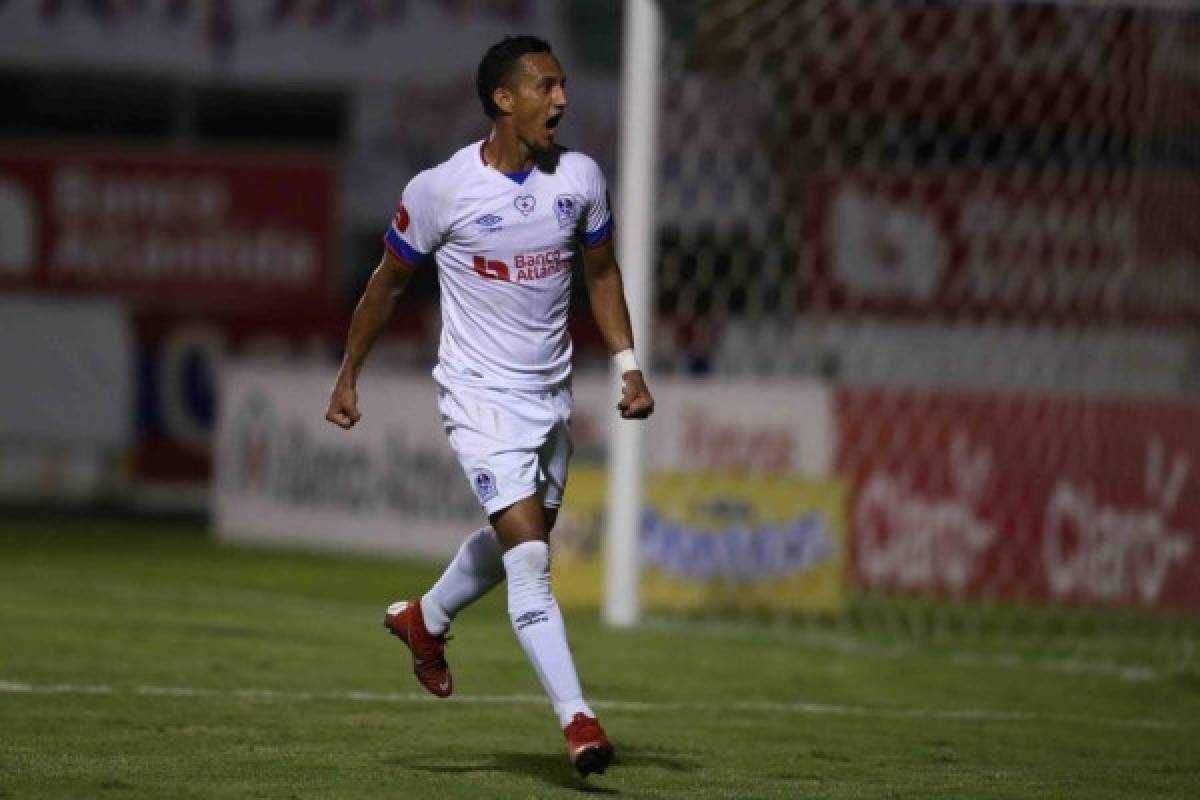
pixel 215 255
pixel 1081 501
pixel 1107 248
pixel 189 232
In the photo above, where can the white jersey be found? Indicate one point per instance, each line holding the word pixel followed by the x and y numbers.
pixel 504 248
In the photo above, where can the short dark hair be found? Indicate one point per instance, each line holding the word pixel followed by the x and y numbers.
pixel 498 65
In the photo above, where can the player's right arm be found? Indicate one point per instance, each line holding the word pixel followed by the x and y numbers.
pixel 374 308
pixel 408 243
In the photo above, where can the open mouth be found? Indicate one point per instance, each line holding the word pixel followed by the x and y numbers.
pixel 552 123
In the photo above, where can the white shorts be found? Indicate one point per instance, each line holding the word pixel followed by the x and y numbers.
pixel 511 443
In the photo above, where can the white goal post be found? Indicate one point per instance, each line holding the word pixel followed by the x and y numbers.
pixel 641 58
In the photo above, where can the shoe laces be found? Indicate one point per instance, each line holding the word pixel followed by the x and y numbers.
pixel 431 650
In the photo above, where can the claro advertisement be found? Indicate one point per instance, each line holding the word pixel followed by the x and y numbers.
pixel 1080 501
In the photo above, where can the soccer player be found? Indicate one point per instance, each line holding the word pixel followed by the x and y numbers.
pixel 502 219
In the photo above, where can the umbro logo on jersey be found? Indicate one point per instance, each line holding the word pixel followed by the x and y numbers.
pixel 489 222
pixel 525 203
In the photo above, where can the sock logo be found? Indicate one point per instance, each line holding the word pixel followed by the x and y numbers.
pixel 529 618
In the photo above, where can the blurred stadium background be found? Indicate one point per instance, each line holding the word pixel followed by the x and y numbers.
pixel 925 309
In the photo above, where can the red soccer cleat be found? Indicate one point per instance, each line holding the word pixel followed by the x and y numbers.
pixel 588 745
pixel 404 619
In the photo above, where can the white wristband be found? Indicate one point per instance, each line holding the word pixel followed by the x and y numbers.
pixel 626 361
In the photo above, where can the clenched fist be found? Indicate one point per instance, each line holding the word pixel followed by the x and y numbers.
pixel 636 400
pixel 343 406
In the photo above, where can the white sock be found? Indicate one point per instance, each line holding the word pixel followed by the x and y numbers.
pixel 475 569
pixel 538 624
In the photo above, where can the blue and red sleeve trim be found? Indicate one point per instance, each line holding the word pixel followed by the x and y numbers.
pixel 402 249
pixel 600 235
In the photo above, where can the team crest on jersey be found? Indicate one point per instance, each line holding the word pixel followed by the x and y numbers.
pixel 485 484
pixel 567 210
pixel 489 222
pixel 525 203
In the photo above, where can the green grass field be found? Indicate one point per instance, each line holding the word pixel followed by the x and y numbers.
pixel 145 660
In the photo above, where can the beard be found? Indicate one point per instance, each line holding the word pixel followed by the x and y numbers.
pixel 546 157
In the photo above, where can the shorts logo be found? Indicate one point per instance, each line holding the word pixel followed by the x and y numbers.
pixel 402 219
pixel 567 211
pixel 525 203
pixel 489 222
pixel 485 484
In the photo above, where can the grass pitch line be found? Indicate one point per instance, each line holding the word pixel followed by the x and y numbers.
pixel 807 709
pixel 850 645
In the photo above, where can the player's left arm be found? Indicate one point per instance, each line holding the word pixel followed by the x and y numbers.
pixel 607 294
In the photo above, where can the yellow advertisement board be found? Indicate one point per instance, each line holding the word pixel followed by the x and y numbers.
pixel 713 541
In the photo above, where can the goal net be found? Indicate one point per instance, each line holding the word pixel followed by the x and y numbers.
pixel 972 227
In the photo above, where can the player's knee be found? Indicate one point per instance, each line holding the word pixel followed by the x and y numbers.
pixel 528 569
pixel 524 521
pixel 529 559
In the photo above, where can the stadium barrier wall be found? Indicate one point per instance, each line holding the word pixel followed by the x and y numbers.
pixel 283 474
pixel 762 495
pixel 66 416
pixel 210 253
pixel 392 485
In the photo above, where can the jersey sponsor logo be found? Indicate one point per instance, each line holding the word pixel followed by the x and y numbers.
pixel 491 269
pixel 566 209
pixel 525 203
pixel 402 218
pixel 490 223
pixel 540 265
pixel 485 484
pixel 532 267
